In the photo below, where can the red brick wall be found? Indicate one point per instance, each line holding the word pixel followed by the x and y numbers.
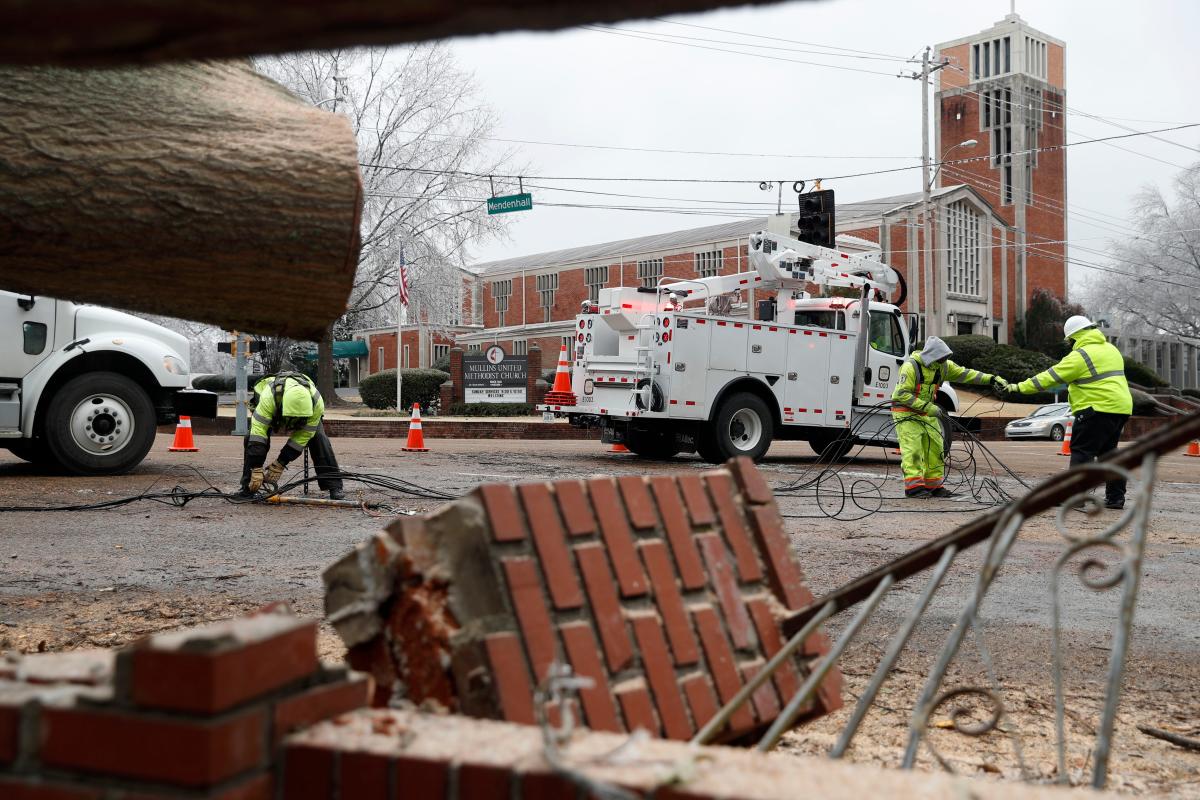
pixel 388 342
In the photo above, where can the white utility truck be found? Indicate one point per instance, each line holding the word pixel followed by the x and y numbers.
pixel 666 370
pixel 84 387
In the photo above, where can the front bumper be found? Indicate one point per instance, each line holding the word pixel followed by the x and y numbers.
pixel 195 403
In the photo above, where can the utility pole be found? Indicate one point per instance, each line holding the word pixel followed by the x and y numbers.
pixel 933 322
pixel 241 346
pixel 400 292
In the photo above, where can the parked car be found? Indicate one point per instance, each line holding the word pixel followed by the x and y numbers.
pixel 1049 421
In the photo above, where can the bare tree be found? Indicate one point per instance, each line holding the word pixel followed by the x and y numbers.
pixel 420 130
pixel 1165 257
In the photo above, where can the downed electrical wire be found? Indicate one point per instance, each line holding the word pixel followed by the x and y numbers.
pixel 972 470
pixel 179 496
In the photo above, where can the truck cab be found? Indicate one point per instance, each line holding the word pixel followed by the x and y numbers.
pixel 83 388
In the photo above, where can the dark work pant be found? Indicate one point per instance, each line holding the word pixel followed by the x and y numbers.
pixel 1094 434
pixel 318 447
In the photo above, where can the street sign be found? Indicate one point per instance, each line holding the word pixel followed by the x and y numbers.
pixel 495 377
pixel 510 202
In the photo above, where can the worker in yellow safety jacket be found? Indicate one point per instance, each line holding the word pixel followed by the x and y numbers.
pixel 287 403
pixel 918 417
pixel 1094 374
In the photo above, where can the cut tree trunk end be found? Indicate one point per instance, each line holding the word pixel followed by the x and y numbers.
pixel 196 190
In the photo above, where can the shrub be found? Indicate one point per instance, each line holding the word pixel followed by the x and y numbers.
pixel 419 386
pixel 1192 393
pixel 441 364
pixel 1139 373
pixel 491 409
pixel 968 348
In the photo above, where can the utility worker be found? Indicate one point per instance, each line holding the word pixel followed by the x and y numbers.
pixel 287 403
pixel 918 417
pixel 1094 372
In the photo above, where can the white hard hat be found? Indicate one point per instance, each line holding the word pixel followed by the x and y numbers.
pixel 1075 324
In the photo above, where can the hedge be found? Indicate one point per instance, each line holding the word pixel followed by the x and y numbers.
pixel 1192 393
pixel 1143 404
pixel 491 409
pixel 1139 373
pixel 419 386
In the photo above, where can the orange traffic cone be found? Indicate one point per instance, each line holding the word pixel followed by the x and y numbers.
pixel 183 437
pixel 416 439
pixel 1193 448
pixel 561 394
pixel 617 447
pixel 1065 450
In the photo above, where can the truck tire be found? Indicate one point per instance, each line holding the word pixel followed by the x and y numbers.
pixel 830 445
pixel 706 446
pixel 743 427
pixel 652 444
pixel 100 423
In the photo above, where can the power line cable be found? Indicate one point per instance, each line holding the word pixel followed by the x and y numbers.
pixel 778 39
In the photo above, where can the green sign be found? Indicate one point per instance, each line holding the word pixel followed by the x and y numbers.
pixel 511 202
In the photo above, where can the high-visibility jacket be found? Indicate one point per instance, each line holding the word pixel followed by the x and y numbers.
pixel 283 400
pixel 916 390
pixel 1094 374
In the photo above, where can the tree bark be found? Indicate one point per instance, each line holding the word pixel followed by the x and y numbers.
pixel 325 382
pixel 200 190
pixel 90 33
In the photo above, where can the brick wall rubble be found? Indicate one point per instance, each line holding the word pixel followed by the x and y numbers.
pixel 666 590
pixel 197 713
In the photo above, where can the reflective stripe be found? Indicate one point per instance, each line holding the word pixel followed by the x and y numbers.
pixel 262 439
pixel 1101 376
pixel 933 483
pixel 1036 384
pixel 260 418
pixel 294 446
pixel 1055 375
pixel 913 481
pixel 902 409
pixel 313 428
pixel 971 376
pixel 1087 360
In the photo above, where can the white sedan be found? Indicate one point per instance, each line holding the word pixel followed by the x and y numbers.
pixel 1049 421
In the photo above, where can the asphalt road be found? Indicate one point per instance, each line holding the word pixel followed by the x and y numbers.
pixel 102 578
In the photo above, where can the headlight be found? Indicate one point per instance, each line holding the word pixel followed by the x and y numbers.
pixel 174 365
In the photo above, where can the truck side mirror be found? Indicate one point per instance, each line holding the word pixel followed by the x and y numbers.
pixel 912 333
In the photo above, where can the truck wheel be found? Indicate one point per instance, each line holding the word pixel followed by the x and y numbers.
pixel 830 445
pixel 743 427
pixel 657 445
pixel 100 423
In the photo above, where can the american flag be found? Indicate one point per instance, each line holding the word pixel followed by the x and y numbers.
pixel 403 279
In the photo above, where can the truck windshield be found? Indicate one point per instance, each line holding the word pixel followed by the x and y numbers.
pixel 821 318
pixel 886 336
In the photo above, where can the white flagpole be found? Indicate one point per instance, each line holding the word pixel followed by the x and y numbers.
pixel 399 328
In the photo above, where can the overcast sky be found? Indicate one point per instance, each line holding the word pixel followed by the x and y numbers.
pixel 1132 61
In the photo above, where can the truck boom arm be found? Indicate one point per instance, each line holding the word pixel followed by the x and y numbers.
pixel 782 264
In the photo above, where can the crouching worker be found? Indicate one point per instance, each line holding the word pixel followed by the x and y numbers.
pixel 918 417
pixel 287 403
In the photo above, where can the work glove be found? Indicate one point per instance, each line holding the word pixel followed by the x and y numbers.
pixel 271 479
pixel 256 480
pixel 1001 385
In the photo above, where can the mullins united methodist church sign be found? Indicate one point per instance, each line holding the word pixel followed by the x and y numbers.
pixel 495 377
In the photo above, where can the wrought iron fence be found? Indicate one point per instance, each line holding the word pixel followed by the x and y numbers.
pixel 1067 491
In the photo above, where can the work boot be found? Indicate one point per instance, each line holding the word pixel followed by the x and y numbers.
pixel 1114 506
pixel 912 494
pixel 942 491
pixel 337 494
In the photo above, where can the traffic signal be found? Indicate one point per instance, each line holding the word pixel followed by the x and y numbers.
pixel 816 221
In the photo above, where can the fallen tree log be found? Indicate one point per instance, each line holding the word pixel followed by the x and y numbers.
pixel 197 190
pixel 87 33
